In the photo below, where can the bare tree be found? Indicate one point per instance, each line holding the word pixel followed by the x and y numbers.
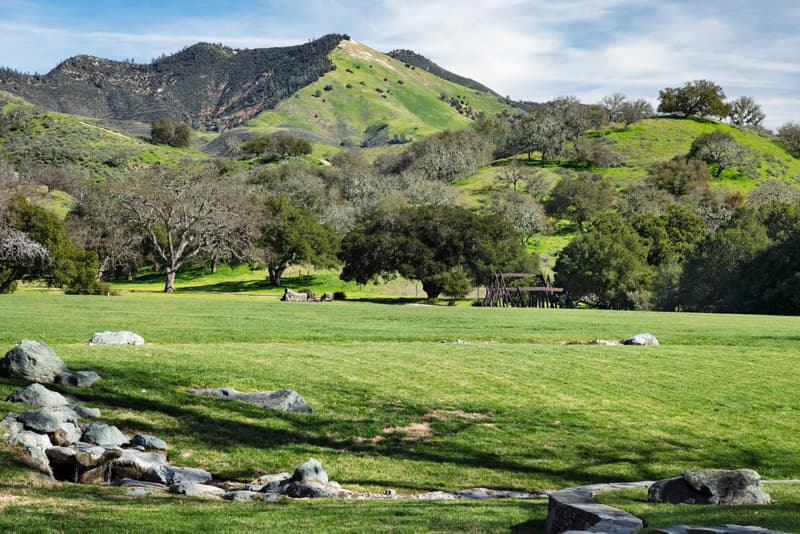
pixel 635 111
pixel 745 112
pixel 181 213
pixel 513 174
pixel 613 106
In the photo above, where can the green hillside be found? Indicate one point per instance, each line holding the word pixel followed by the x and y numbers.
pixel 368 88
pixel 57 139
pixel 657 140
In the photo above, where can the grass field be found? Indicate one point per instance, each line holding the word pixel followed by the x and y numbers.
pixel 518 404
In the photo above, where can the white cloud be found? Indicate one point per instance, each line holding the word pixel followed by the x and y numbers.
pixel 528 49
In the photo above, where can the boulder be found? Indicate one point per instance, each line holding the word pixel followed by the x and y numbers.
pixel 294 296
pixel 176 475
pixel 78 379
pixel 310 471
pixel 38 395
pixel 194 489
pixel 44 420
pixel 285 400
pixel 138 465
pixel 30 439
pixel 10 425
pixel 116 338
pixel 242 496
pixel 105 435
pixel 641 339
pixel 147 441
pixel 83 411
pixel 32 360
pixel 68 434
pixel 711 486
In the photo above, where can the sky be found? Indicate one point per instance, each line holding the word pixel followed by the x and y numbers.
pixel 532 50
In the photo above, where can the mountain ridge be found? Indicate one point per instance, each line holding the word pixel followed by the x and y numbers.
pixel 209 86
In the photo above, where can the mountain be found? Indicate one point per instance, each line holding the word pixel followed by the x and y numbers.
pixel 333 91
pixel 369 91
pixel 209 86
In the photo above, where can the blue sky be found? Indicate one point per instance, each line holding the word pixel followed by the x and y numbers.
pixel 527 49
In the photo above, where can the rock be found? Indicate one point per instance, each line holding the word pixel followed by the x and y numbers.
pixel 139 492
pixel 88 455
pixel 38 395
pixel 270 483
pixel 148 442
pixel 176 475
pixel 285 400
pixel 294 296
pixel 641 339
pixel 45 420
pixel 30 439
pixel 711 486
pixel 103 434
pixel 721 529
pixel 95 475
pixel 131 483
pixel 327 297
pixel 83 411
pixel 137 465
pixel 241 496
pixel 310 471
pixel 32 360
pixel 116 338
pixel 68 434
pixel 193 489
pixel 78 379
pixel 10 426
pixel 573 509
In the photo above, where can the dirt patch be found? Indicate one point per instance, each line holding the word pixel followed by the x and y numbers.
pixel 443 415
pixel 414 430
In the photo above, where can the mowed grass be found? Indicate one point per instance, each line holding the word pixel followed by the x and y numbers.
pixel 400 403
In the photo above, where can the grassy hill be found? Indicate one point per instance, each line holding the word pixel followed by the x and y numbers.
pixel 52 138
pixel 368 88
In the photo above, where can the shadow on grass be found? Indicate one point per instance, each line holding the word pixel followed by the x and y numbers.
pixel 243 425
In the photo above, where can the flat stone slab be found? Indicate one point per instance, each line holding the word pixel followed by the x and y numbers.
pixel 285 400
pixel 116 338
pixel 722 529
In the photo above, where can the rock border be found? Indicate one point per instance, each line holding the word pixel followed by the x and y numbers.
pixel 574 510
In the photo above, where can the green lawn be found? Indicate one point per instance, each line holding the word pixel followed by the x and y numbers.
pixel 521 404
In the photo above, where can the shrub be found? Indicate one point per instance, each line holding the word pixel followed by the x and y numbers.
pixel 339 295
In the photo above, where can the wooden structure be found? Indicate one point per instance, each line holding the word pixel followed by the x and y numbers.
pixel 542 295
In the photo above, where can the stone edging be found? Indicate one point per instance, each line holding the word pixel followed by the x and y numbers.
pixel 574 510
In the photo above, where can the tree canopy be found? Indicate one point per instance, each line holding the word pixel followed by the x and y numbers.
pixel 700 98
pixel 291 235
pixel 445 248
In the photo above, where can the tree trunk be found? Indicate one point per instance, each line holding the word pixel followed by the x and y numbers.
pixel 432 289
pixel 213 264
pixel 169 284
pixel 12 276
pixel 275 273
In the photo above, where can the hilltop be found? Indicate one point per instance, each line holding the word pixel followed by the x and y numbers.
pixel 333 91
pixel 209 86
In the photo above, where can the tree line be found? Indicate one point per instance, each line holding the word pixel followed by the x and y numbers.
pixel 658 243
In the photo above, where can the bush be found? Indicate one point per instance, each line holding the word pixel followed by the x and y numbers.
pixel 170 131
pixel 339 295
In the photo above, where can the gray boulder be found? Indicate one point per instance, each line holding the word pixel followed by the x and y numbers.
pixel 10 425
pixel 44 420
pixel 285 400
pixel 30 439
pixel 641 339
pixel 176 475
pixel 78 379
pixel 105 435
pixel 138 465
pixel 68 434
pixel 32 360
pixel 83 411
pixel 242 496
pixel 38 395
pixel 294 296
pixel 711 486
pixel 310 471
pixel 116 338
pixel 194 489
pixel 148 442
